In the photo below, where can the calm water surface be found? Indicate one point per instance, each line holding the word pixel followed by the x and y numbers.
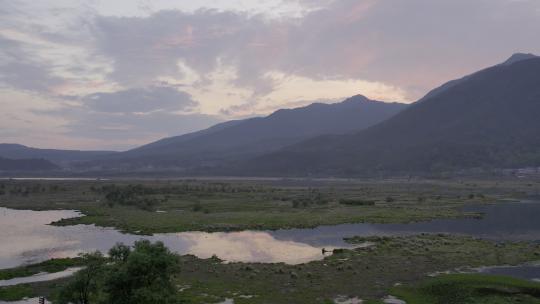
pixel 25 301
pixel 527 272
pixel 25 236
pixel 40 277
pixel 515 221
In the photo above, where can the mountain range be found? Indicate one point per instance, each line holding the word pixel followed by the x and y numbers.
pixel 245 139
pixel 489 119
pixel 485 120
pixel 16 151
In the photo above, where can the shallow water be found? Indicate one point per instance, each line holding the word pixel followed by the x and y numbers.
pixel 527 272
pixel 347 300
pixel 26 237
pixel 516 221
pixel 40 277
pixel 25 301
pixel 393 300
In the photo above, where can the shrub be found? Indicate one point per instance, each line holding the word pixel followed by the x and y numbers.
pixel 356 202
pixel 197 207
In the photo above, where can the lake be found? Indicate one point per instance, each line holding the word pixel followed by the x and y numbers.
pixel 26 236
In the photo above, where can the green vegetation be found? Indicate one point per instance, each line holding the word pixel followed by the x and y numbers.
pixel 357 202
pixel 48 289
pixel 138 276
pixel 83 287
pixel 470 289
pixel 173 206
pixel 132 195
pixel 367 273
pixel 15 293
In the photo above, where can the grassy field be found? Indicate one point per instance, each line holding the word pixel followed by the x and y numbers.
pixel 16 293
pixel 470 289
pixel 188 205
pixel 365 273
pixel 19 292
pixel 368 273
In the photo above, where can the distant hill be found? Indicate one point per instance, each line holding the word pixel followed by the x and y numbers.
pixel 490 119
pixel 13 165
pixel 248 138
pixel 167 142
pixel 16 151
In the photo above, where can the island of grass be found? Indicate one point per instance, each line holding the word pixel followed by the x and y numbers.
pixel 367 273
pixel 470 289
pixel 148 207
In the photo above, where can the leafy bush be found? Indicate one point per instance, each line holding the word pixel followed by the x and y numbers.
pixel 356 202
pixel 131 195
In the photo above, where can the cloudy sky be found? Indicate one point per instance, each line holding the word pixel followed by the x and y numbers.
pixel 113 74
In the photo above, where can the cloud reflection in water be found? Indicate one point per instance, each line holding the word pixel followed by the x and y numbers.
pixel 27 238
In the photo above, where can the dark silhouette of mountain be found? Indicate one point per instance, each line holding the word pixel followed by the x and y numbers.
pixel 16 151
pixel 490 119
pixel 247 138
pixel 13 165
pixel 519 57
pixel 514 58
pixel 177 140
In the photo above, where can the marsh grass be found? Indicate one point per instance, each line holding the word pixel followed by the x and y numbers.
pixel 248 205
pixel 469 288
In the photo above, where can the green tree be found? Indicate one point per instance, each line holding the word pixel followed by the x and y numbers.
pixel 84 285
pixel 120 252
pixel 141 275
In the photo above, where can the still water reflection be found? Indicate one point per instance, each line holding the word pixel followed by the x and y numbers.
pixel 515 221
pixel 25 236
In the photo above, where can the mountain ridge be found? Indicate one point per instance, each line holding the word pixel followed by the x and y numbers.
pixel 457 128
pixel 18 151
pixel 246 138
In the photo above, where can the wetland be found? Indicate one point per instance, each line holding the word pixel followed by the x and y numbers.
pixel 289 241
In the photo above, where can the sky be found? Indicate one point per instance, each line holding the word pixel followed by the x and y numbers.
pixel 115 74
